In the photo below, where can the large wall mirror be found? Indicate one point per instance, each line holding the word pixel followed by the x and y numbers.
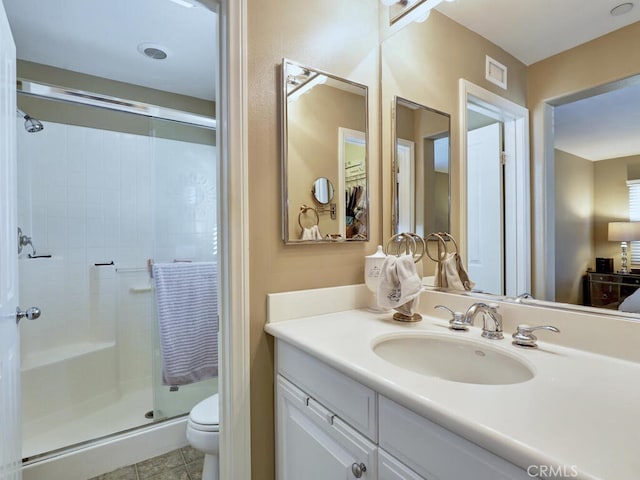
pixel 574 193
pixel 421 168
pixel 325 161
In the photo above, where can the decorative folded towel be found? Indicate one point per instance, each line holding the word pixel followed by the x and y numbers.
pixel 400 285
pixel 450 273
pixel 311 233
pixel 187 306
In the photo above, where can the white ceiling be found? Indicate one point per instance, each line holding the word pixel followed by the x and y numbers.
pixel 532 30
pixel 600 127
pixel 596 128
pixel 101 37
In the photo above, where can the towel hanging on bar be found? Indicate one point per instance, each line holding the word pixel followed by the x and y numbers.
pixel 187 306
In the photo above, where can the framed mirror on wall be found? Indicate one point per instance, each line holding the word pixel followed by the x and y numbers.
pixel 324 157
pixel 421 168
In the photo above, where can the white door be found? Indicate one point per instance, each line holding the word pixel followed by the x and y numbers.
pixel 314 444
pixel 406 191
pixel 10 428
pixel 484 208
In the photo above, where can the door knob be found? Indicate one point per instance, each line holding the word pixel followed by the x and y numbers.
pixel 30 313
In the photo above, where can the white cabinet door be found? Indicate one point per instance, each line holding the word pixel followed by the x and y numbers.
pixel 435 452
pixel 314 444
pixel 391 469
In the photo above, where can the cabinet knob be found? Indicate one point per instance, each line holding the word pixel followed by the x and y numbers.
pixel 358 469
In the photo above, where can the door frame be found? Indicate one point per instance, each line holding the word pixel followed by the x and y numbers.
pixel 517 177
pixel 234 386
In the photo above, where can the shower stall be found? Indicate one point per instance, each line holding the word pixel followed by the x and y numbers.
pixel 105 190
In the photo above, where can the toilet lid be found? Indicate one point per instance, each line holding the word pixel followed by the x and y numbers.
pixel 206 412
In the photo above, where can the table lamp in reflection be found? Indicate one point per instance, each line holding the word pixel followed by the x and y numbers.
pixel 624 232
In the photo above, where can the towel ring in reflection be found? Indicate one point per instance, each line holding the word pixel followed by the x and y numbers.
pixel 303 211
pixel 442 245
pixel 408 244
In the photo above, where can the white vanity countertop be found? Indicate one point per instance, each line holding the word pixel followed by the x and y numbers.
pixel 580 411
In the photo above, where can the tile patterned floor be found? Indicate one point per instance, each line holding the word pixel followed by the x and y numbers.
pixel 182 464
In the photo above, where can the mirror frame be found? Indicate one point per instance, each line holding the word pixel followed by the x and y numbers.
pixel 284 138
pixel 401 9
pixel 394 162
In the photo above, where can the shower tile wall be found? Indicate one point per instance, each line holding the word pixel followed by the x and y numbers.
pixel 90 196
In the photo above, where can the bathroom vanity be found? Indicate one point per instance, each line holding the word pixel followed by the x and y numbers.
pixel 356 396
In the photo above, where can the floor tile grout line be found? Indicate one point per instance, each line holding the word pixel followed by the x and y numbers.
pixel 184 462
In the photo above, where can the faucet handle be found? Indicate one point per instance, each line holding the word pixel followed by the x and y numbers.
pixel 456 322
pixel 524 337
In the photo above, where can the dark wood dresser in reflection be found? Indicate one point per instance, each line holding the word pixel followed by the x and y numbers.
pixel 608 290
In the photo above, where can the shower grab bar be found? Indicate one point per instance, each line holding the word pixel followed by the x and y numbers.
pixel 148 268
pixel 130 269
pixel 140 289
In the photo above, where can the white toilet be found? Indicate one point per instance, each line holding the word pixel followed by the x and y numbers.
pixel 202 433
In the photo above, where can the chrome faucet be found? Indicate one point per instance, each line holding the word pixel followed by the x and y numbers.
pixel 492 329
pixel 23 241
pixel 523 296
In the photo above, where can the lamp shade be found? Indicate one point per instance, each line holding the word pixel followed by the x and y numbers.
pixel 624 231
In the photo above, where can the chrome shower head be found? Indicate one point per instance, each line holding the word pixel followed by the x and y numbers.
pixel 31 125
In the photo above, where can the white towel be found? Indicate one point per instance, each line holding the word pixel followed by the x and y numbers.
pixel 187 306
pixel 400 285
pixel 311 233
pixel 450 273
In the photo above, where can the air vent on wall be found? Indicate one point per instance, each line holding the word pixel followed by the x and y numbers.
pixel 496 72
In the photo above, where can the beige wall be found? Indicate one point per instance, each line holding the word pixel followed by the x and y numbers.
pixel 574 224
pixel 423 63
pixel 588 196
pixel 606 59
pixel 340 38
pixel 105 86
pixel 611 202
pixel 428 126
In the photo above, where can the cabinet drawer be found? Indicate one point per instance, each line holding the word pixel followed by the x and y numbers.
pixel 391 469
pixel 349 400
pixel 436 453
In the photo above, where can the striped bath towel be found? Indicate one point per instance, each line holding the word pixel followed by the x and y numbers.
pixel 187 306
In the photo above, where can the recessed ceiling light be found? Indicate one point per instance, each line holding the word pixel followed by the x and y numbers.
pixel 621 9
pixel 153 50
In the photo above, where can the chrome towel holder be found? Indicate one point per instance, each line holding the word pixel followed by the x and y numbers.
pixel 303 210
pixel 408 244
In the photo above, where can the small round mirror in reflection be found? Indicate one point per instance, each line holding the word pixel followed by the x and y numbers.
pixel 323 190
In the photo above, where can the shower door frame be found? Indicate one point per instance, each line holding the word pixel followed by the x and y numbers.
pixel 152 112
pixel 83 97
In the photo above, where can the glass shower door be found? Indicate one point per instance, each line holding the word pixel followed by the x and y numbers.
pixel 185 231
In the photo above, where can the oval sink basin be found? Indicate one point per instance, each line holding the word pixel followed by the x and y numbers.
pixel 453 359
